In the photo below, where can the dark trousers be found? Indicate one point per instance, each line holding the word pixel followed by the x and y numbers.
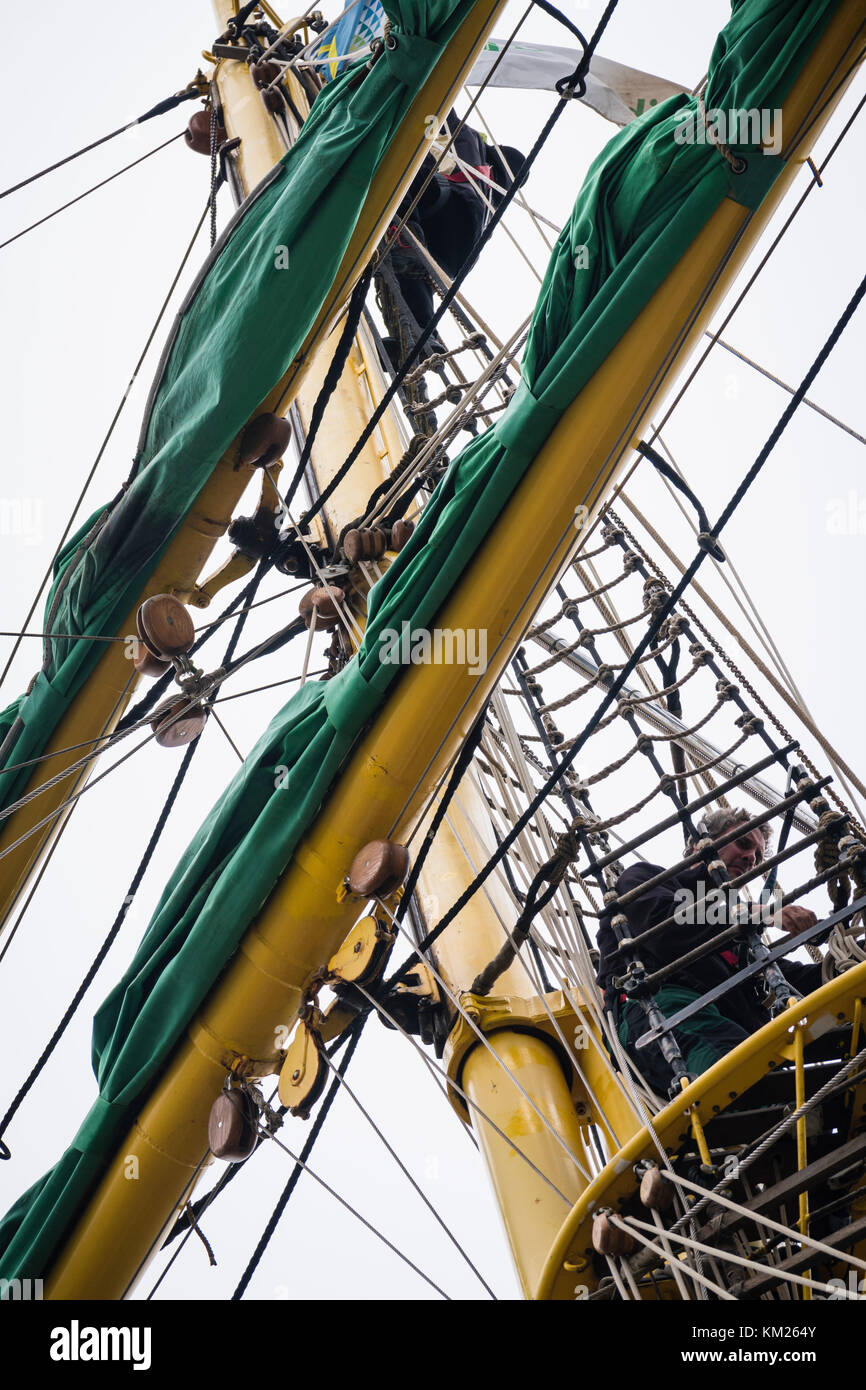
pixel 704 1038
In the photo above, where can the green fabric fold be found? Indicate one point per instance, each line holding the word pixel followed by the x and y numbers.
pixel 238 332
pixel 644 200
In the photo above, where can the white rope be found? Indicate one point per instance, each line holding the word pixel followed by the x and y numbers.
pixel 364 1222
pixel 405 1171
pixel 436 1069
pixel 482 1038
pixel 787 1231
pixel 716 1253
pixel 685 1269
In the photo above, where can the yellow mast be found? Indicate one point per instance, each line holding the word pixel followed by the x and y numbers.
pixel 100 703
pixel 395 769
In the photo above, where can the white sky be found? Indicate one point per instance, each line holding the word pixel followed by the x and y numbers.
pixel 79 297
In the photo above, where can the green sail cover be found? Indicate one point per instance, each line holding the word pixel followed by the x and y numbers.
pixel 240 328
pixel 644 200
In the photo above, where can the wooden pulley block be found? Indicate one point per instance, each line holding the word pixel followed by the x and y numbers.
pixel 400 533
pixel 655 1193
pixel 608 1239
pixel 146 664
pixel 232 1127
pixel 303 1073
pixel 325 601
pixel 165 626
pixel 197 133
pixel 265 71
pixel 274 100
pixel 366 543
pixel 378 869
pixel 176 722
pixel 265 440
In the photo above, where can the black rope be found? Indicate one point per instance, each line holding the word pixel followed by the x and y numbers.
pixel 161 107
pixel 652 630
pixel 193 1210
pixel 104 445
pixel 329 385
pixel 705 540
pixel 48 216
pixel 5 1152
pixel 475 252
pixel 355 1029
pixel 212 129
pixel 467 753
pixel 561 19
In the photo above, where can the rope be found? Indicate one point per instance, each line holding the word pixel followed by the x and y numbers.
pixel 283 1200
pixel 196 1209
pixel 161 107
pixel 753 656
pixel 451 292
pixel 775 1134
pixel 213 175
pixel 103 446
pixel 5 1153
pixel 48 216
pixel 329 385
pixel 655 626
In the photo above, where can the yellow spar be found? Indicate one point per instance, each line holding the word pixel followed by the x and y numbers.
pixel 99 705
pixel 396 768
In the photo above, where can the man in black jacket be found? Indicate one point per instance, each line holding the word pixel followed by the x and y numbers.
pixel 451 213
pixel 716 1029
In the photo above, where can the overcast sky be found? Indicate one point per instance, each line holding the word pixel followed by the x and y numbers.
pixel 79 295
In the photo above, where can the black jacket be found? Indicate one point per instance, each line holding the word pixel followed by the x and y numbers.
pixel 741 1004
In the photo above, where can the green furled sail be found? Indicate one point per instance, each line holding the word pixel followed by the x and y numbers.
pixel 643 202
pixel 239 329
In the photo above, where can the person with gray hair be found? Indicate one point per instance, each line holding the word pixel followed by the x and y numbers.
pixel 698 912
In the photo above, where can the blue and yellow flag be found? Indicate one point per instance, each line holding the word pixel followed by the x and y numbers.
pixel 362 22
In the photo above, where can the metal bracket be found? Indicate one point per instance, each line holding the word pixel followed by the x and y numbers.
pixel 304 1070
pixel 364 951
pixel 490 1014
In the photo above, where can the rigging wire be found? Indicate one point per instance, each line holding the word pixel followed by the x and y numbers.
pixel 193 1211
pixel 815 182
pixel 118 921
pixel 46 859
pixel 437 1070
pixel 664 611
pixel 573 86
pixel 48 216
pixel 189 94
pixel 304 1167
pixel 265 648
pixel 355 1030
pixel 405 1171
pixel 150 337
pixel 44 1056
pixel 813 405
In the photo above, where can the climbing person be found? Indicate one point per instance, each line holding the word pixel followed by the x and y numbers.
pixel 469 181
pixel 717 1028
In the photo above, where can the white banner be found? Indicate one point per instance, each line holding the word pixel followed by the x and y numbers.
pixel 613 90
